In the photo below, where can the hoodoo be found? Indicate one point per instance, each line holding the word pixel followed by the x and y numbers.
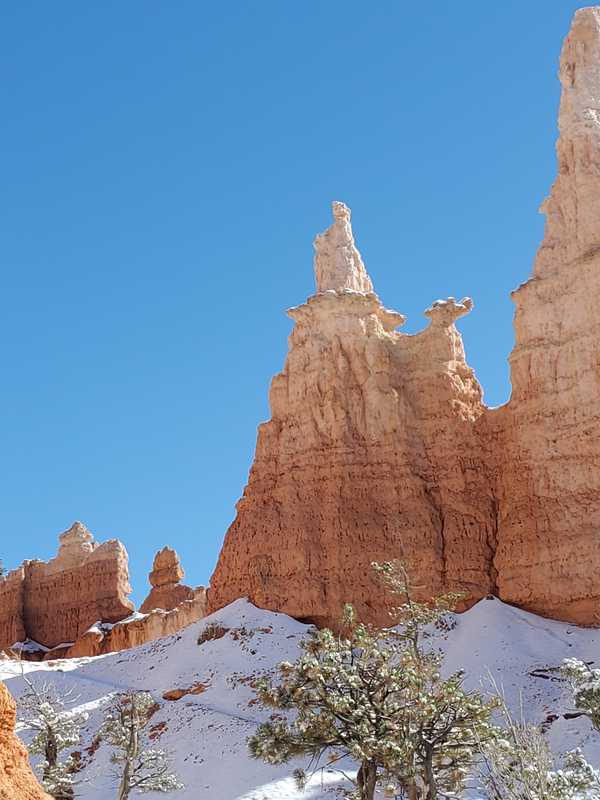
pixel 379 445
pixel 167 590
pixel 371 453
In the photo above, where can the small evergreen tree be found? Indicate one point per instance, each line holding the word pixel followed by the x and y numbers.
pixel 519 765
pixel 585 683
pixel 141 769
pixel 42 710
pixel 377 696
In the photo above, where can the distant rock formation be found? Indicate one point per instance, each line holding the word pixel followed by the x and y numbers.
pixel 138 630
pixel 16 778
pixel 169 607
pixel 76 604
pixel 379 445
pixel 55 602
pixel 167 590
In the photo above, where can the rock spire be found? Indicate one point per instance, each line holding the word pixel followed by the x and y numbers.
pixel 573 208
pixel 549 480
pixel 338 264
pixel 167 590
pixel 358 462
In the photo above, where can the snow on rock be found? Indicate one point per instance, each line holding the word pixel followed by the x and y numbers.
pixel 206 732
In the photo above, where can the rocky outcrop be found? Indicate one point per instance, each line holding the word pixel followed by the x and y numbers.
pixel 138 630
pixel 549 472
pixel 167 590
pixel 12 622
pixel 16 778
pixel 379 446
pixel 76 604
pixel 169 607
pixel 371 453
pixel 55 602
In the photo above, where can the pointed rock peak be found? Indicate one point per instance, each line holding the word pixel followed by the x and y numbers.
pixel 580 74
pixel 76 535
pixel 338 265
pixel 572 210
pixel 166 568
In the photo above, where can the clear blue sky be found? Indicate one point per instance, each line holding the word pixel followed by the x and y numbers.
pixel 164 169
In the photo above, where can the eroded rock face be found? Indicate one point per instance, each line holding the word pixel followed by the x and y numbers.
pixel 379 446
pixel 55 602
pixel 101 639
pixel 167 590
pixel 371 453
pixel 12 623
pixel 16 778
pixel 549 488
pixel 77 604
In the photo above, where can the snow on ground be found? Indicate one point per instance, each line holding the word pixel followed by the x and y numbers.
pixel 206 733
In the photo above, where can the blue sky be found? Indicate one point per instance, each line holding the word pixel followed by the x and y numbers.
pixel 164 169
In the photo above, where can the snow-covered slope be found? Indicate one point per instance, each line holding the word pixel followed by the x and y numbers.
pixel 206 733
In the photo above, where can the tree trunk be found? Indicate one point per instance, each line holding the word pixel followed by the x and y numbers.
pixel 367 780
pixel 124 785
pixel 51 750
pixel 430 778
pixel 413 792
pixel 131 751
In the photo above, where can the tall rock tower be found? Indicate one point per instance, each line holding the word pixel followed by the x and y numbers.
pixel 370 454
pixel 549 487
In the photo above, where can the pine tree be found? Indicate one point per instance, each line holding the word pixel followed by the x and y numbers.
pixel 141 768
pixel 56 728
pixel 519 765
pixel 377 696
pixel 585 683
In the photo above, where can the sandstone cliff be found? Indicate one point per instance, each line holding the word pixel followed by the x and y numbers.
pixel 379 446
pixel 16 778
pixel 55 602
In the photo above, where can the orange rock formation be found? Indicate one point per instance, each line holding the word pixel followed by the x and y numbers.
pixel 16 778
pixel 167 590
pixel 76 604
pixel 549 486
pixel 169 607
pixel 379 445
pixel 371 453
pixel 101 639
pixel 55 602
